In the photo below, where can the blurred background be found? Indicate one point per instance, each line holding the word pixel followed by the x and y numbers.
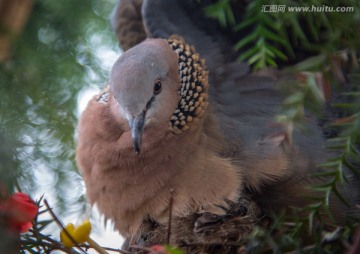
pixel 54 56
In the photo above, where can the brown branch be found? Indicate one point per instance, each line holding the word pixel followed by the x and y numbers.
pixel 136 247
pixel 50 244
pixel 62 226
pixel 106 248
pixel 13 18
pixel 17 185
pixel 198 244
pixel 170 216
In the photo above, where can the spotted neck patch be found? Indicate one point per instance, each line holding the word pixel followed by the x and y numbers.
pixel 193 86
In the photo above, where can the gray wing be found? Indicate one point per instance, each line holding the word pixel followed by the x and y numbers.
pixel 163 18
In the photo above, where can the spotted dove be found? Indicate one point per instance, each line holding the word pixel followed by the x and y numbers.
pixel 193 128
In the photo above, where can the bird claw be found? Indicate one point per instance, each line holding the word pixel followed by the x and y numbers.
pixel 206 221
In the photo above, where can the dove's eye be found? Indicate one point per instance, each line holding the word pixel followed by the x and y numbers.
pixel 157 87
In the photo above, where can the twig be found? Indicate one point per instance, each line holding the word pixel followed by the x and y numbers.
pixel 306 248
pixel 62 226
pixel 35 230
pixel 96 246
pixel 50 244
pixel 198 244
pixel 17 185
pixel 170 216
pixel 136 247
pixel 87 246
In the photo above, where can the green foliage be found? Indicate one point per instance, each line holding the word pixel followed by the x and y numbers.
pixel 173 250
pixel 52 60
pixel 36 241
pixel 324 46
pixel 281 30
pixel 259 44
pixel 221 11
pixel 8 165
pixel 303 91
pixel 291 236
pixel 307 230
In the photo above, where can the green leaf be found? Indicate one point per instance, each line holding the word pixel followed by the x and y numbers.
pixel 315 90
pixel 356 94
pixel 267 51
pixel 309 64
pixel 340 196
pixel 323 185
pixel 326 173
pixel 246 23
pixel 229 15
pixel 173 250
pixel 246 40
pixel 278 53
pixel 255 58
pixel 298 32
pixel 271 62
pixel 268 34
pixel 352 167
pixel 248 53
pixel 338 139
pixel 294 98
pixel 312 26
pixel 221 11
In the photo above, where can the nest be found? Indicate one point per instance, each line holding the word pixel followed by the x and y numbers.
pixel 229 236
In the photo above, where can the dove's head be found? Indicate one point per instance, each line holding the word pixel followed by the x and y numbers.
pixel 159 83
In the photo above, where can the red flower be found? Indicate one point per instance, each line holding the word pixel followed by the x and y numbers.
pixel 159 249
pixel 19 211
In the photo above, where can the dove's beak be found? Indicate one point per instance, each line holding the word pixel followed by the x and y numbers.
pixel 136 124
